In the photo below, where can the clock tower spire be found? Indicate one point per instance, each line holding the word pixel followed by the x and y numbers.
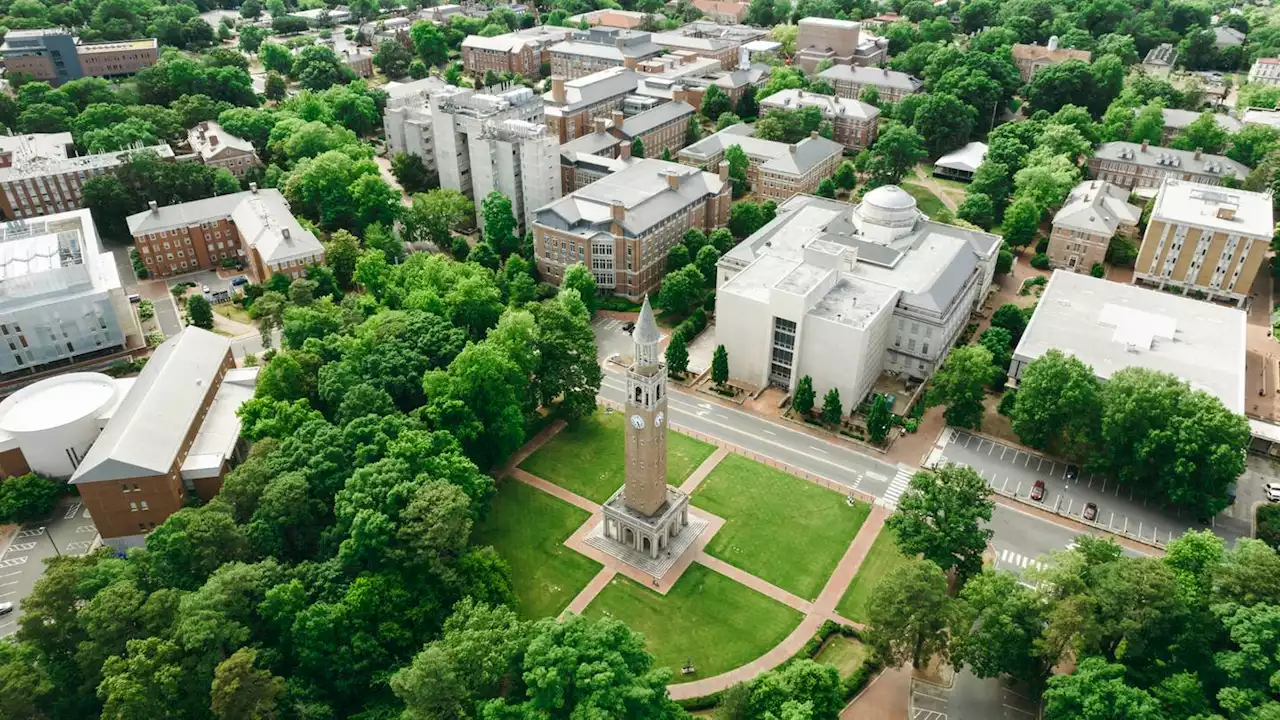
pixel 645 490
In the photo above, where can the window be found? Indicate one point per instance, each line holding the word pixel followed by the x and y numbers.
pixel 124 487
pixel 133 507
pixel 144 505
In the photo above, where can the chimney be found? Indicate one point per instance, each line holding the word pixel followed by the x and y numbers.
pixel 601 124
pixel 791 148
pixel 617 118
pixel 1198 150
pixel 213 141
pixel 619 210
pixel 673 180
pixel 724 172
pixel 624 151
pixel 619 43
pixel 1144 146
pixel 813 134
pixel 155 208
pixel 557 89
pixel 253 188
pixel 284 233
pixel 629 63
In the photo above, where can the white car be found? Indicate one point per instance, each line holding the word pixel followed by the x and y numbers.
pixel 6 608
pixel 1273 491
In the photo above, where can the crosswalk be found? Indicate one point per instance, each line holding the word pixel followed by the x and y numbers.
pixel 898 486
pixel 1018 560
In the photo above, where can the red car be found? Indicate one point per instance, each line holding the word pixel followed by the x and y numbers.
pixel 1037 491
pixel 1090 512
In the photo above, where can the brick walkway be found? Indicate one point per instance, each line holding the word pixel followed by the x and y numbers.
pixel 703 471
pixel 593 588
pixel 530 447
pixel 886 698
pixel 552 489
pixel 761 586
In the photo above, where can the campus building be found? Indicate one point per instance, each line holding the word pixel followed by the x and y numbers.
pixel 593 156
pixel 709 40
pixel 573 105
pixel 60 294
pixel 406 121
pixel 840 41
pixel 55 56
pixel 40 173
pixel 1033 58
pixel 254 228
pixel 1175 121
pixel 849 81
pixel 1143 168
pixel 854 121
pixel 1112 326
pixel 521 52
pixel 219 148
pixel 589 51
pixel 725 12
pixel 1205 241
pixel 776 170
pixel 623 226
pixel 173 434
pixel 1160 60
pixel 608 17
pixel 1265 71
pixel 1094 212
pixel 844 293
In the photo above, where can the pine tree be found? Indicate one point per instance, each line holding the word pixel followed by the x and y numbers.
pixel 637 148
pixel 832 411
pixel 677 356
pixel 879 419
pixel 720 366
pixel 802 401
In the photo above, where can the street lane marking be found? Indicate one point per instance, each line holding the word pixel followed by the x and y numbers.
pixel 770 432
pixel 87 528
pixel 812 447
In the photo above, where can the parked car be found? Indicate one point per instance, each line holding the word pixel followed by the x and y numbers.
pixel 204 289
pixel 1273 491
pixel 1073 472
pixel 1090 512
pixel 135 298
pixel 628 327
pixel 239 280
pixel 6 608
pixel 1037 491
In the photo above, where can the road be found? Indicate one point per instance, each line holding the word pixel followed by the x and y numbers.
pixel 22 560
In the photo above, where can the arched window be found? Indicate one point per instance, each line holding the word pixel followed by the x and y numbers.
pixel 638 391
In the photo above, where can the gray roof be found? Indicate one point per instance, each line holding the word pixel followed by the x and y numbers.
pixel 646 330
pixel 831 106
pixel 645 191
pixel 1112 326
pixel 594 88
pixel 967 158
pixel 1178 119
pixel 1227 36
pixel 650 119
pixel 592 143
pixel 200 138
pixel 871 76
pixel 795 159
pixel 147 431
pixel 1163 55
pixel 1097 207
pixel 1158 157
pixel 184 214
pixel 516 41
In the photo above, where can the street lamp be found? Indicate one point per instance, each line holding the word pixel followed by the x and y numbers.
pixel 49 532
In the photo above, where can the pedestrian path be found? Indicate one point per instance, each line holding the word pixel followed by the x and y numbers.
pixel 555 490
pixel 761 586
pixel 703 470
pixel 1009 557
pixel 898 486
pixel 588 593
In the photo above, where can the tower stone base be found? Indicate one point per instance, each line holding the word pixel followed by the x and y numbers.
pixel 651 535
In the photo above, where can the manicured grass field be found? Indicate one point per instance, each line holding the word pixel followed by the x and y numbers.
pixel 882 559
pixel 928 203
pixel 528 528
pixel 707 618
pixel 780 528
pixel 845 653
pixel 588 457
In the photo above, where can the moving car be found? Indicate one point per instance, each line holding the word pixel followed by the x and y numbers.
pixel 1090 511
pixel 1073 472
pixel 1037 491
pixel 1273 491
pixel 6 608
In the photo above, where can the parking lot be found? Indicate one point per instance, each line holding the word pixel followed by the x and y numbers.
pixel 971 698
pixel 22 560
pixel 220 288
pixel 612 337
pixel 1069 490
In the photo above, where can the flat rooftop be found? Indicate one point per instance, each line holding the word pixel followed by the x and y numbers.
pixel 1112 326
pixel 1214 207
pixel 104 47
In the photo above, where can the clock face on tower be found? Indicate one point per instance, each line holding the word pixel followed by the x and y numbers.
pixel 657 421
pixel 637 422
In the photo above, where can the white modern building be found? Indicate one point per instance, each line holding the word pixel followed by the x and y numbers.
pixel 406 122
pixel 48 426
pixel 1265 71
pixel 60 293
pixel 843 293
pixel 519 159
pixel 1112 326
pixel 961 164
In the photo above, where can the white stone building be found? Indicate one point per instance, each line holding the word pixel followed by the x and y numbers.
pixel 60 293
pixel 1265 71
pixel 519 159
pixel 842 293
pixel 407 119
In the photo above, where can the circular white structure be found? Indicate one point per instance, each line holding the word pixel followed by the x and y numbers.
pixel 55 420
pixel 887 213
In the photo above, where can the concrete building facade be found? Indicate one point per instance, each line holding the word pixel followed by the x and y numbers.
pixel 40 173
pixel 254 228
pixel 1265 71
pixel 219 148
pixel 848 82
pixel 519 159
pixel 175 434
pixel 406 121
pixel 1205 240
pixel 840 41
pixel 623 226
pixel 55 56
pixel 854 122
pixel 844 293
pixel 1144 168
pixel 60 293
pixel 1031 59
pixel 1094 212
pixel 776 170
pixel 600 48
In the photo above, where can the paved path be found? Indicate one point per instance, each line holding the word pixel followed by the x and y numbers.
pixel 703 470
pixel 589 593
pixel 849 564
pixel 761 586
pixel 552 489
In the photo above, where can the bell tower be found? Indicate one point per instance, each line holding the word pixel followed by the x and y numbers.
pixel 645 490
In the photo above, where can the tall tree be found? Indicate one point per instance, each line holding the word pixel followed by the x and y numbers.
pixel 909 614
pixel 499 223
pixel 960 385
pixel 1057 406
pixel 242 692
pixel 940 516
pixel 897 149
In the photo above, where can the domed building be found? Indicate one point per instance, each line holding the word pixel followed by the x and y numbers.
pixel 843 293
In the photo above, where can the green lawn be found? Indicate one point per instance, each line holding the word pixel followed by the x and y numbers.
pixel 785 530
pixel 928 203
pixel 528 528
pixel 588 457
pixel 845 653
pixel 882 559
pixel 707 618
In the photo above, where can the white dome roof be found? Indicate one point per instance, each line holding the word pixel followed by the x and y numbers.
pixel 890 197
